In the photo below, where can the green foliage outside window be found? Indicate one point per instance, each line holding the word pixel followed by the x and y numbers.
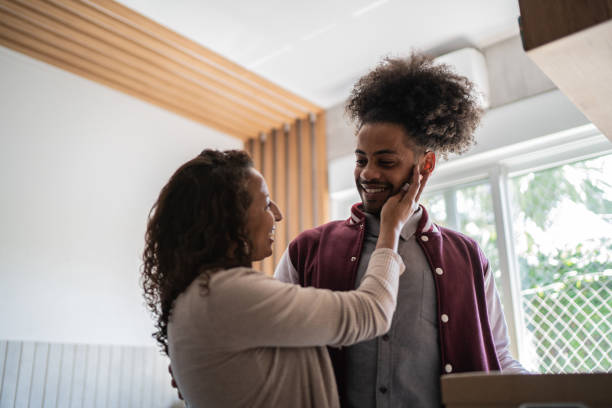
pixel 566 288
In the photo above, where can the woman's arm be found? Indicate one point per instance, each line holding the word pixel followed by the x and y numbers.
pixel 254 310
pixel 250 309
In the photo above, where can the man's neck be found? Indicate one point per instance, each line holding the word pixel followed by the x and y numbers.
pixel 376 214
pixel 373 223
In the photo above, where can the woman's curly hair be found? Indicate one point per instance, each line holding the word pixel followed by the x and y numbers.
pixel 436 107
pixel 196 224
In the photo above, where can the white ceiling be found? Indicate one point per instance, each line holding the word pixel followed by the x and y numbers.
pixel 318 48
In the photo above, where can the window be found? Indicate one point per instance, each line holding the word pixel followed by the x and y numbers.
pixel 563 241
pixel 468 209
pixel 542 213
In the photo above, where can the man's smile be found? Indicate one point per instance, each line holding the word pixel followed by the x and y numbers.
pixel 373 189
pixel 375 192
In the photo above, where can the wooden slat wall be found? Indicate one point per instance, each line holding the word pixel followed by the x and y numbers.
pixel 267 170
pixel 294 191
pixel 255 152
pixel 111 44
pixel 280 191
pixel 320 169
pixel 34 374
pixel 293 160
pixel 305 183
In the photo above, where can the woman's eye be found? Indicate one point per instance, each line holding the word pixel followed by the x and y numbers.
pixel 360 162
pixel 386 163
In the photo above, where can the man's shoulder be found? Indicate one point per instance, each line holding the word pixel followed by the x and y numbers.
pixel 314 234
pixel 448 233
pixel 460 241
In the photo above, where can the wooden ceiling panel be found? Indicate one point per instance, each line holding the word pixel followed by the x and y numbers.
pixel 108 43
pixel 209 57
pixel 116 48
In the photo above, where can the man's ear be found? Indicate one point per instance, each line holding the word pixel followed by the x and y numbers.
pixel 428 162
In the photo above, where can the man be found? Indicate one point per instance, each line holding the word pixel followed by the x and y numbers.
pixel 449 317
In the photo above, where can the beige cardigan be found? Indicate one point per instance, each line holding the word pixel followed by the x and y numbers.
pixel 253 341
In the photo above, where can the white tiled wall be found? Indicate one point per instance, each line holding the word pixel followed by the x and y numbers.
pixel 35 374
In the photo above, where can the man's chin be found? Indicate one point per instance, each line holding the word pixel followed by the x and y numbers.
pixel 372 208
pixel 373 203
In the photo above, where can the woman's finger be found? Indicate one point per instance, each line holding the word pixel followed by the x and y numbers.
pixel 413 189
pixel 422 186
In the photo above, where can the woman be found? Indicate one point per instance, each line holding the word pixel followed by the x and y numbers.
pixel 237 337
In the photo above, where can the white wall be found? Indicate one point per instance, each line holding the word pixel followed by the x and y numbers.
pixel 80 167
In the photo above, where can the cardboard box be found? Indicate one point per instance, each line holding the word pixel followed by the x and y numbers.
pixel 496 390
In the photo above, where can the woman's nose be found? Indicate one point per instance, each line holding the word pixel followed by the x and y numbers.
pixel 276 211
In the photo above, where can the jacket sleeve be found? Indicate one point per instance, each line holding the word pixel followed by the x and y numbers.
pixel 499 329
pixel 285 271
pixel 254 310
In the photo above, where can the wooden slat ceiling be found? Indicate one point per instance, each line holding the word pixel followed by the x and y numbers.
pixel 106 42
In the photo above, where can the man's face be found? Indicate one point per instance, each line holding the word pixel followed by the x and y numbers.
pixel 383 163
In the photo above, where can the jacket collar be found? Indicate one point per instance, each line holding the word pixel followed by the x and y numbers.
pixel 357 214
pixel 426 225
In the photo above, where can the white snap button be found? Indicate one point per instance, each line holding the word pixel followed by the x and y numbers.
pixel 439 271
pixel 424 238
pixel 353 259
pixel 448 368
pixel 360 226
pixel 444 317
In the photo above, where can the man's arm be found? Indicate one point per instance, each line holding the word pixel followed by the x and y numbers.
pixel 499 329
pixel 285 271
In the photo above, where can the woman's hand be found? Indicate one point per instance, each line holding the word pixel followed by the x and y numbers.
pixel 398 209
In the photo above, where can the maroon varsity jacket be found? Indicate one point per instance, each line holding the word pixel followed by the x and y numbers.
pixel 328 256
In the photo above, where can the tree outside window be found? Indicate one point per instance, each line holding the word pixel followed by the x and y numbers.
pixel 562 220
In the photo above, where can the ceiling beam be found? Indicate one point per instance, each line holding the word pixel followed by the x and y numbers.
pixel 111 44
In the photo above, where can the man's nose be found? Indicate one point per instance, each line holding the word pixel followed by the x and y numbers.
pixel 369 172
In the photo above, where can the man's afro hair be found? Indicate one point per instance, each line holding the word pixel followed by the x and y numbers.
pixel 435 106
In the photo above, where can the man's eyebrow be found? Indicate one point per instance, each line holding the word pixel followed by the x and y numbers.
pixel 378 152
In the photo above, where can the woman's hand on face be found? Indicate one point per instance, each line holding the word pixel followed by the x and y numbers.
pixel 400 206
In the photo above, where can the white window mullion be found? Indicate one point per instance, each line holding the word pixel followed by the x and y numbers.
pixel 450 203
pixel 510 279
